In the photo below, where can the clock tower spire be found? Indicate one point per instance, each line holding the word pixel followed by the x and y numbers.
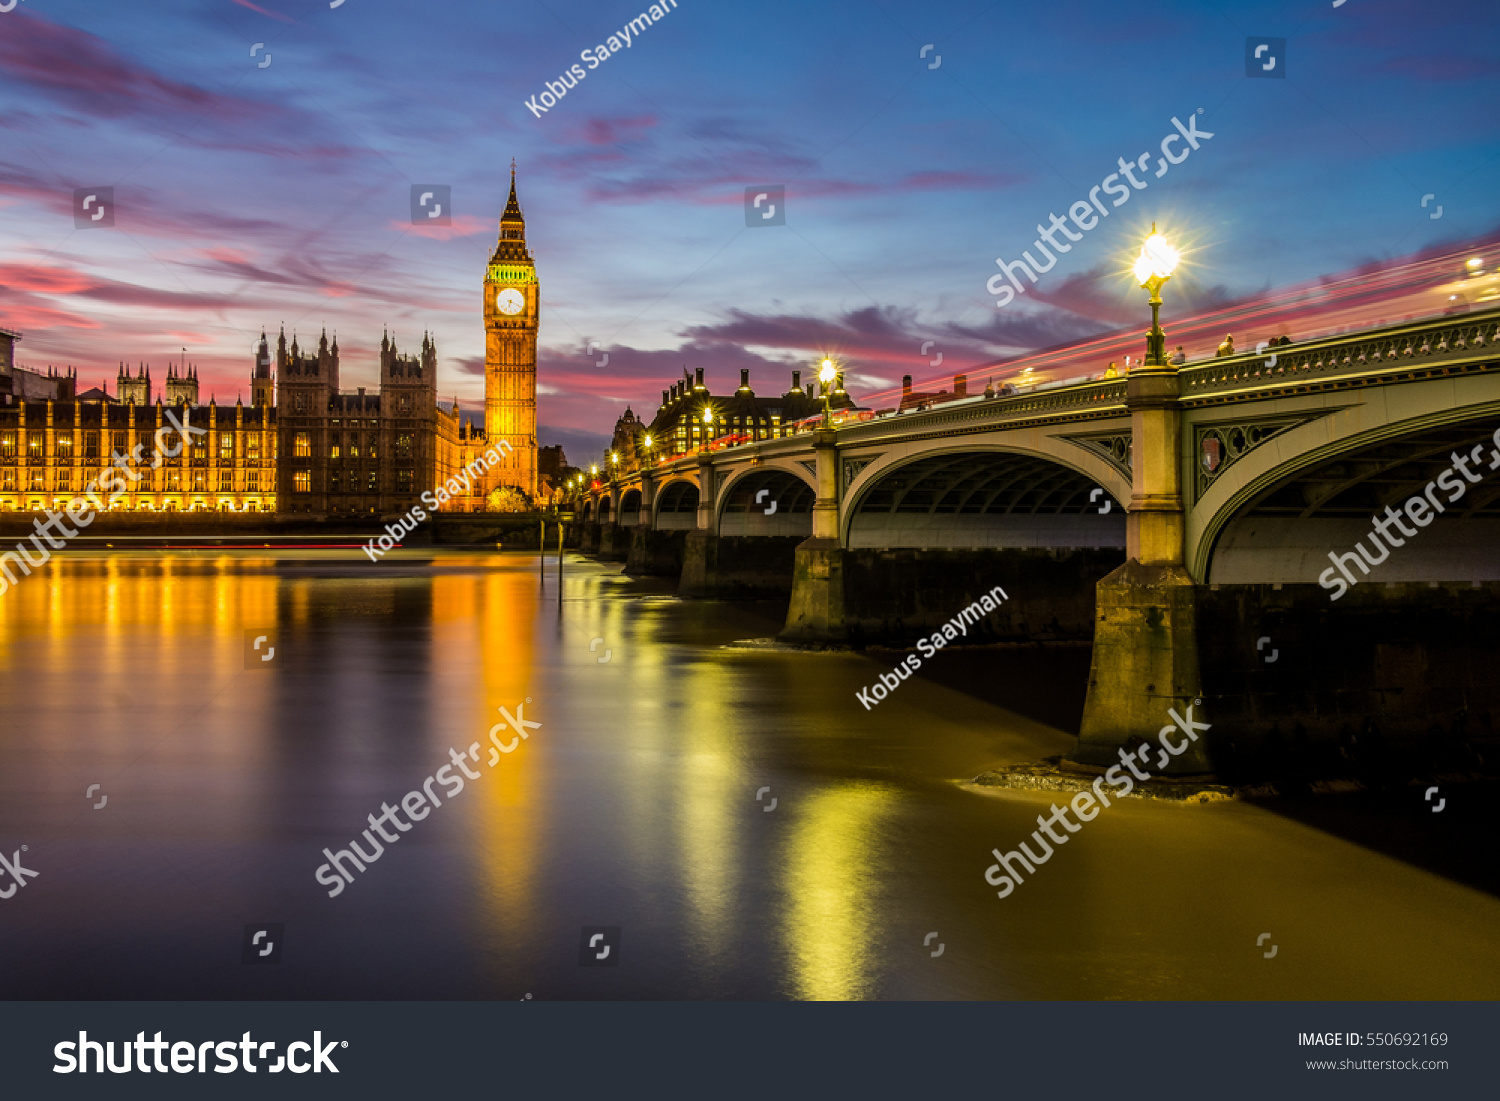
pixel 512 311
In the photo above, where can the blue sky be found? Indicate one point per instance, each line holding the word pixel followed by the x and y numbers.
pixel 248 196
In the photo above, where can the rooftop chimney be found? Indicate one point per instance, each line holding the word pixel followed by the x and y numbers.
pixel 960 386
pixel 697 378
pixel 796 380
pixel 744 378
pixel 905 386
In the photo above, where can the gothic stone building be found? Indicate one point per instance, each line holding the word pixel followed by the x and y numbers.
pixel 305 446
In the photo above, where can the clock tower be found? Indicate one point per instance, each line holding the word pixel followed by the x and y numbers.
pixel 512 309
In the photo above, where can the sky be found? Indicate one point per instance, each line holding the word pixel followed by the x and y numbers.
pixel 260 187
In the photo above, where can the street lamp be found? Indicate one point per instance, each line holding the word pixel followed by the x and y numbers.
pixel 826 374
pixel 1152 269
pixel 708 425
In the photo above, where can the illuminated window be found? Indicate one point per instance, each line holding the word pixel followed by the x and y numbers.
pixel 302 481
pixel 333 450
pixel 300 404
pixel 301 446
pixel 252 482
pixel 403 445
pixel 118 443
pixel 252 445
pixel 403 481
pixel 65 445
pixel 374 482
pixel 226 481
pixel 174 481
pixel 333 481
pixel 34 482
pixel 8 479
pixel 7 445
pixel 200 447
pixel 91 445
pixel 34 444
pixel 200 480
pixel 226 445
pixel 354 445
pixel 374 450
pixel 144 485
pixel 65 480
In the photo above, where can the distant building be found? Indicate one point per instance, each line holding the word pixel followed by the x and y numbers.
pixel 916 399
pixel 679 425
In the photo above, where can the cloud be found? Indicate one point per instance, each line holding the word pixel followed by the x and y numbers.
pixel 724 158
pixel 465 225
pixel 263 11
pixel 82 72
pixel 1100 296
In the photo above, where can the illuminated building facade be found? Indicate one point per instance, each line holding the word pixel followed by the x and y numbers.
pixel 304 446
pixel 512 314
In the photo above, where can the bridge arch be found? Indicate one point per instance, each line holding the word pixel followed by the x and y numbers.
pixel 605 508
pixel 677 506
pixel 787 493
pixel 1279 522
pixel 630 508
pixel 586 514
pixel 985 497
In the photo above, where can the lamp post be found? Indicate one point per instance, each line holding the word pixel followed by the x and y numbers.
pixel 826 374
pixel 1153 268
pixel 708 425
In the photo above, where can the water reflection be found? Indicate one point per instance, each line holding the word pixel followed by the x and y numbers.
pixel 833 886
pixel 634 805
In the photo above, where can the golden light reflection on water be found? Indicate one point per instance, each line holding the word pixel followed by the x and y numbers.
pixel 171 596
pixel 711 801
pixel 831 886
pixel 490 618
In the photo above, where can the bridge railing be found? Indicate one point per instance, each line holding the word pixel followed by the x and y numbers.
pixel 1433 340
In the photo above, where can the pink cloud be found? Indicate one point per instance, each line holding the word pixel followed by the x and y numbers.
pixel 465 225
pixel 263 11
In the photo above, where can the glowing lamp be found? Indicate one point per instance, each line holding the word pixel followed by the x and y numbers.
pixel 1157 261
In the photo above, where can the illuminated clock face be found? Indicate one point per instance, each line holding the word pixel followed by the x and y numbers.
pixel 510 300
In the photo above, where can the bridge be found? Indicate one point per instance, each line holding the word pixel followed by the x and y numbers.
pixel 1183 518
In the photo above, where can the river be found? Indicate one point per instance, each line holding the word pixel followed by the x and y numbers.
pixel 751 830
